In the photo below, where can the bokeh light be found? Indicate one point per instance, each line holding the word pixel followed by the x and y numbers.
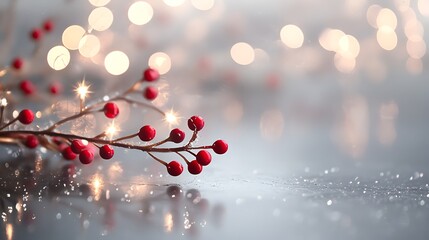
pixel 416 49
pixel 72 35
pixel 386 38
pixel 372 13
pixel 423 6
pixel 160 61
pixel 292 36
pixel 100 19
pixel 344 64
pixel 174 3
pixel 242 53
pixel 203 5
pixel 387 17
pixel 99 3
pixel 58 58
pixel 140 13
pixel 349 46
pixel 329 39
pixel 89 45
pixel 116 62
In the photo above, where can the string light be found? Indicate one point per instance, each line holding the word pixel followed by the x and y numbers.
pixel 112 130
pixel 82 90
pixel 171 117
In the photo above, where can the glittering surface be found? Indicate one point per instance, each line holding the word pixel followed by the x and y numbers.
pixel 323 104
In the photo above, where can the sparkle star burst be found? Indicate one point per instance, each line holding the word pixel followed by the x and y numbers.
pixel 171 118
pixel 82 90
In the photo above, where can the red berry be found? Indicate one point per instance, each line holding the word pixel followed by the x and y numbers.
pixel 27 87
pixel 26 116
pixel 106 152
pixel 220 147
pixel 36 34
pixel 31 141
pixel 196 123
pixel 147 133
pixel 48 25
pixel 111 110
pixel 86 157
pixel 174 168
pixel 194 167
pixel 55 88
pixel 150 74
pixel 68 154
pixel 150 93
pixel 17 63
pixel 177 135
pixel 204 157
pixel 77 146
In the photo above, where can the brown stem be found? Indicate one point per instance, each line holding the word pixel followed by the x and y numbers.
pixel 194 136
pixel 9 123
pixel 80 114
pixel 131 101
pixel 183 157
pixel 157 159
pixel 147 148
pixel 126 137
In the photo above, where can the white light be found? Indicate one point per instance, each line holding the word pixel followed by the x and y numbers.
pixel 171 118
pixel 116 63
pixel 58 58
pixel 82 90
pixel 140 13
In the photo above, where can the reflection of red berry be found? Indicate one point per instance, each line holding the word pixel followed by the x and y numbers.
pixel 77 146
pixel 150 74
pixel 194 167
pixel 48 25
pixel 220 147
pixel 68 154
pixel 86 157
pixel 31 141
pixel 177 135
pixel 106 152
pixel 196 123
pixel 111 110
pixel 36 34
pixel 204 157
pixel 27 87
pixel 26 116
pixel 17 63
pixel 147 133
pixel 174 168
pixel 150 93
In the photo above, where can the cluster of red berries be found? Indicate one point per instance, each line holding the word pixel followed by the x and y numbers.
pixel 150 75
pixel 202 158
pixel 37 33
pixel 26 86
pixel 86 150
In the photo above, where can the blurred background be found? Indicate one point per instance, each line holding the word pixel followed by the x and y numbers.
pixel 323 104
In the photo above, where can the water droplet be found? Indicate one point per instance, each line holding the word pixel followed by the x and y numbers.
pixel 58 216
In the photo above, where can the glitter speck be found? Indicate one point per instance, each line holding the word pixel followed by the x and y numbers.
pixel 329 202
